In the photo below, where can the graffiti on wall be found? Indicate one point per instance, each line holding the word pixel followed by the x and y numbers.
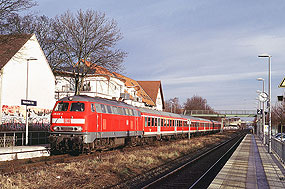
pixel 14 118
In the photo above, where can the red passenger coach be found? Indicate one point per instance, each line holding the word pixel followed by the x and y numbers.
pixel 84 123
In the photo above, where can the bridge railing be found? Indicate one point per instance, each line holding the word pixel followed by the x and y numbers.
pixel 222 112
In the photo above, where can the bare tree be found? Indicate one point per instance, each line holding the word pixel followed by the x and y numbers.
pixel 39 25
pixel 74 43
pixel 9 13
pixel 8 7
pixel 173 105
pixel 196 103
pixel 278 115
pixel 83 42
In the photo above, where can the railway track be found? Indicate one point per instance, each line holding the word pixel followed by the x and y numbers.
pixel 187 171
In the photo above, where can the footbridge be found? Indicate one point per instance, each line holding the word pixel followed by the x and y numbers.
pixel 222 113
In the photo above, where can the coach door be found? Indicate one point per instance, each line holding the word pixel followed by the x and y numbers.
pixel 158 126
pixel 175 122
pixel 136 125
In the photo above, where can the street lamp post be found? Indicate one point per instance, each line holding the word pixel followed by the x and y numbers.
pixel 27 93
pixel 269 99
pixel 263 114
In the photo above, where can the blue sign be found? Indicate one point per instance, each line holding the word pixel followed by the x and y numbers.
pixel 28 102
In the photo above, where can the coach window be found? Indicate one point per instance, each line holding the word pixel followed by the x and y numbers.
pixel 138 113
pixel 92 107
pixel 131 112
pixel 161 122
pixel 148 121
pixel 120 111
pixel 152 121
pixel 98 108
pixel 114 110
pixel 77 107
pixel 155 122
pixel 158 121
pixel 109 109
pixel 126 112
pixel 103 108
pixel 145 121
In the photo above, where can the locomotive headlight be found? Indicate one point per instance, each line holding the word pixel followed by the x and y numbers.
pixel 77 128
pixel 56 128
pixel 68 128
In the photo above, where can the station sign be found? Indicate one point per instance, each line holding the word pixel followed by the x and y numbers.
pixel 28 102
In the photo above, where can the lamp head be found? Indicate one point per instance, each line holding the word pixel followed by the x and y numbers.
pixel 31 58
pixel 264 55
pixel 260 79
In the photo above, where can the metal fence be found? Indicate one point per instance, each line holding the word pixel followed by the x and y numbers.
pixel 279 148
pixel 17 138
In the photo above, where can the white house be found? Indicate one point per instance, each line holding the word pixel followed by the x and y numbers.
pixel 111 85
pixel 25 74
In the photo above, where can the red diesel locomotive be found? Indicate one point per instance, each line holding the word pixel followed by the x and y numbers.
pixel 85 123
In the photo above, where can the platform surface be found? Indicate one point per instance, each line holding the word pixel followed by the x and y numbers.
pixel 23 152
pixel 250 166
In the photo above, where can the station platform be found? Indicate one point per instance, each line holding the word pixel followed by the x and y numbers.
pixel 251 166
pixel 23 152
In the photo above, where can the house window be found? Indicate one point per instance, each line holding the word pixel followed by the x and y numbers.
pixel 86 86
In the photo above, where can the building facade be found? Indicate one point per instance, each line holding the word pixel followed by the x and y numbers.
pixel 112 85
pixel 25 75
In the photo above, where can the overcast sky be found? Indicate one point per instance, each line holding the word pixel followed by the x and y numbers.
pixel 203 47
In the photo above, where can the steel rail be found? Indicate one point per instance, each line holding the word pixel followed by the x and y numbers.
pixel 228 151
pixel 189 162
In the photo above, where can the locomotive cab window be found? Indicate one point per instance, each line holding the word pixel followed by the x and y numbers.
pixel 77 107
pixel 61 107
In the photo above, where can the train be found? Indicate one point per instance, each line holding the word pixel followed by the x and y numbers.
pixel 83 123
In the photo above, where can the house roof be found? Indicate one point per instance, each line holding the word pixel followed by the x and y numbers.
pixel 140 90
pixel 151 88
pixel 10 45
pixel 147 90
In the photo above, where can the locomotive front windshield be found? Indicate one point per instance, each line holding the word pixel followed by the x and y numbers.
pixel 77 107
pixel 61 107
